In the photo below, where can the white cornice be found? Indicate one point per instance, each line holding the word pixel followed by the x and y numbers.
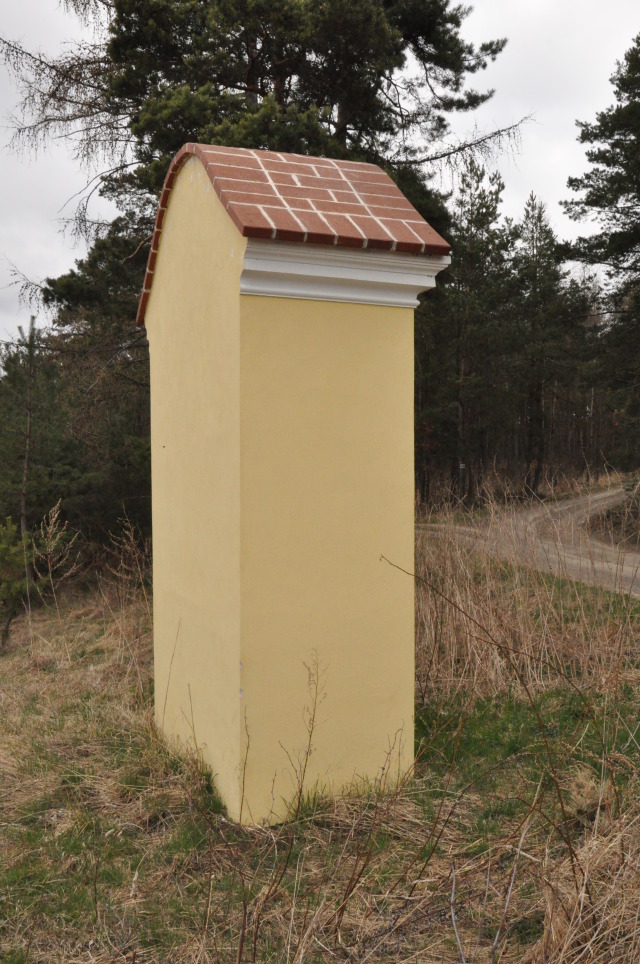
pixel 323 273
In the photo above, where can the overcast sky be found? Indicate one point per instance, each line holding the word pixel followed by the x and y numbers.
pixel 556 67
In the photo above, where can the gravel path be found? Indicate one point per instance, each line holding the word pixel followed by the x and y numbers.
pixel 555 538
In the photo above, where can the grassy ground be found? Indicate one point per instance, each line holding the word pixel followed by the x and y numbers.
pixel 517 838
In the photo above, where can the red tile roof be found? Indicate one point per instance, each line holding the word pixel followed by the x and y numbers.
pixel 312 200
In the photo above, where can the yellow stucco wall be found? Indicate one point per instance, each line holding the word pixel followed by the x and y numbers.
pixel 282 461
pixel 327 487
pixel 193 327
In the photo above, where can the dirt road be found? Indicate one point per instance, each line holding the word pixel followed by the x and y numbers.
pixel 555 538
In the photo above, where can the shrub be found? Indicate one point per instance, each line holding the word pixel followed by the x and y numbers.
pixel 15 558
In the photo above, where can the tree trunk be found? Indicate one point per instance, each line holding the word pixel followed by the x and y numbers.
pixel 342 122
pixel 4 633
pixel 535 443
pixel 251 79
pixel 24 531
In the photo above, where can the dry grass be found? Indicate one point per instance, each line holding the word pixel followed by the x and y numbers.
pixel 517 838
pixel 621 525
pixel 487 620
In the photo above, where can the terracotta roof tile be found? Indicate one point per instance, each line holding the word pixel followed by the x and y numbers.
pixel 313 200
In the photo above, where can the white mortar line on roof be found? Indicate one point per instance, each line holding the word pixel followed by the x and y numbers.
pixel 266 216
pixel 407 224
pixel 358 228
pixel 234 161
pixel 287 206
pixel 329 228
pixel 356 191
pixel 216 157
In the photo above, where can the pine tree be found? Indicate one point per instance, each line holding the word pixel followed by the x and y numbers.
pixel 459 345
pixel 33 450
pixel 610 190
pixel 549 314
pixel 371 79
pixel 103 365
pixel 502 358
pixel 15 558
pixel 609 193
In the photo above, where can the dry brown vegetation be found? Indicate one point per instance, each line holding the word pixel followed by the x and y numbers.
pixel 516 838
pixel 483 626
pixel 621 525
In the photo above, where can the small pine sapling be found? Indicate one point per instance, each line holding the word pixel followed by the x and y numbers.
pixel 15 558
